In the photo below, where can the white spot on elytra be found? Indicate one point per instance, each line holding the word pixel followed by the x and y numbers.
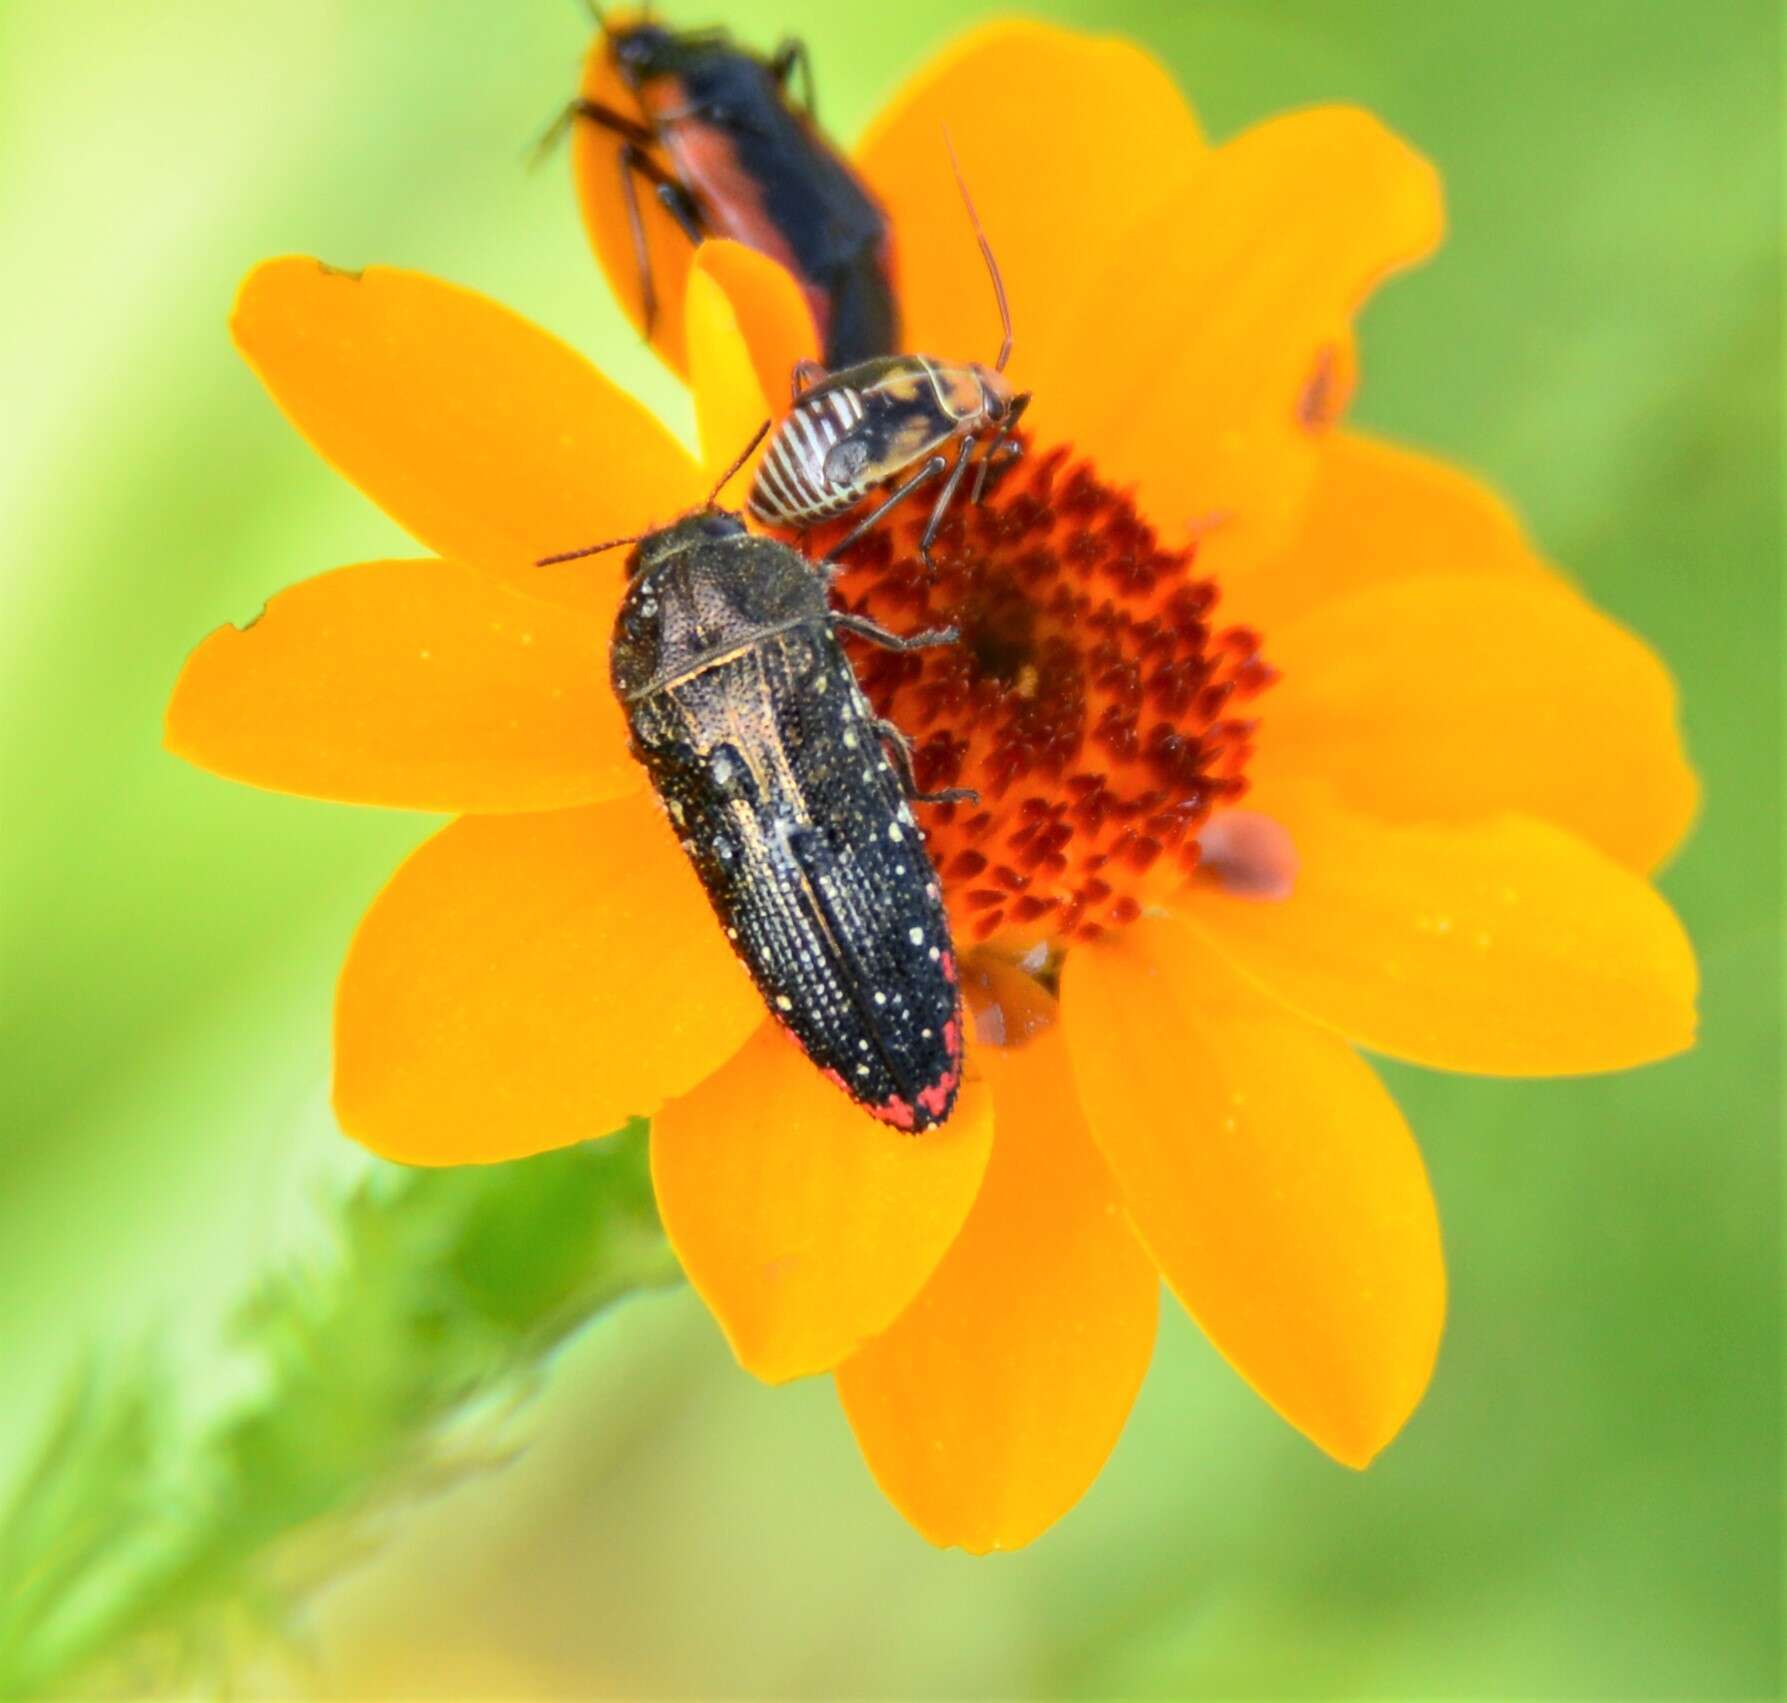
pixel 916 936
pixel 819 686
pixel 862 1070
pixel 784 1003
pixel 880 999
pixel 893 832
pixel 935 954
pixel 849 739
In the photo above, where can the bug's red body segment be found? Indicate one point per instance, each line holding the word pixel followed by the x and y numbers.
pixel 729 153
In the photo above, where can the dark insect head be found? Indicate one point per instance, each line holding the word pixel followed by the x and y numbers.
pixel 704 526
pixel 641 51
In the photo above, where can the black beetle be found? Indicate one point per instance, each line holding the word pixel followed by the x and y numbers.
pixel 793 800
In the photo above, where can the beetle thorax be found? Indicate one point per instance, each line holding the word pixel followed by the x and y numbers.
pixel 706 598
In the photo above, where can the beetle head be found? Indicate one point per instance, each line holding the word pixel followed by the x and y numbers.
pixel 641 51
pixel 704 526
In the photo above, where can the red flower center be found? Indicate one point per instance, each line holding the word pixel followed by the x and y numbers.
pixel 1091 701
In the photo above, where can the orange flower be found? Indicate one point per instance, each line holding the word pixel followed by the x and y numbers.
pixel 1457 785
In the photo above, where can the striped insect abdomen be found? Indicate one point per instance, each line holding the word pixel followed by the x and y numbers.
pixel 768 761
pixel 792 487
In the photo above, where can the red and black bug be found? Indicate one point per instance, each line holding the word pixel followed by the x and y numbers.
pixel 793 801
pixel 720 140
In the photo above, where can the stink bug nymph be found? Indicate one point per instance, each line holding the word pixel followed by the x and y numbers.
pixel 887 419
pixel 794 803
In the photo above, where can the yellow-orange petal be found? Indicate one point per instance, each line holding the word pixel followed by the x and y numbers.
pixel 805 1225
pixel 1377 512
pixel 419 685
pixel 729 400
pixel 524 982
pixel 1507 947
pixel 1455 698
pixel 1187 366
pixel 772 316
pixel 603 195
pixel 487 439
pixel 1272 1178
pixel 988 1407
pixel 1057 133
pixel 747 325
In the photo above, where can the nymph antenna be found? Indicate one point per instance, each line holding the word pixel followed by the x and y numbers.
pixel 986 249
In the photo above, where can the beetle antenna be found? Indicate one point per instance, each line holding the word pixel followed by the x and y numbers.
pixel 742 457
pixel 986 249
pixel 587 550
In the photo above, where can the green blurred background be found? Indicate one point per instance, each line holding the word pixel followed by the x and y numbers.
pixel 1588 1505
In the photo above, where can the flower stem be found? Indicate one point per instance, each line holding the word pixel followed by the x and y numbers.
pixel 132 1555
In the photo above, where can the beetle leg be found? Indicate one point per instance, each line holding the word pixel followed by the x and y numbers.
pixel 628 129
pixel 680 205
pixel 630 156
pixel 944 498
pixel 805 374
pixel 789 57
pixel 551 136
pixel 876 634
pixel 899 748
pixel 930 470
pixel 648 289
pixel 636 163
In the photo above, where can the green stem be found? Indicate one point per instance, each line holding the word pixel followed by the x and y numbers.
pixel 127 1551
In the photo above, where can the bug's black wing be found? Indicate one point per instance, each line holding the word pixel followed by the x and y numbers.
pixel 771 768
pixel 829 224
